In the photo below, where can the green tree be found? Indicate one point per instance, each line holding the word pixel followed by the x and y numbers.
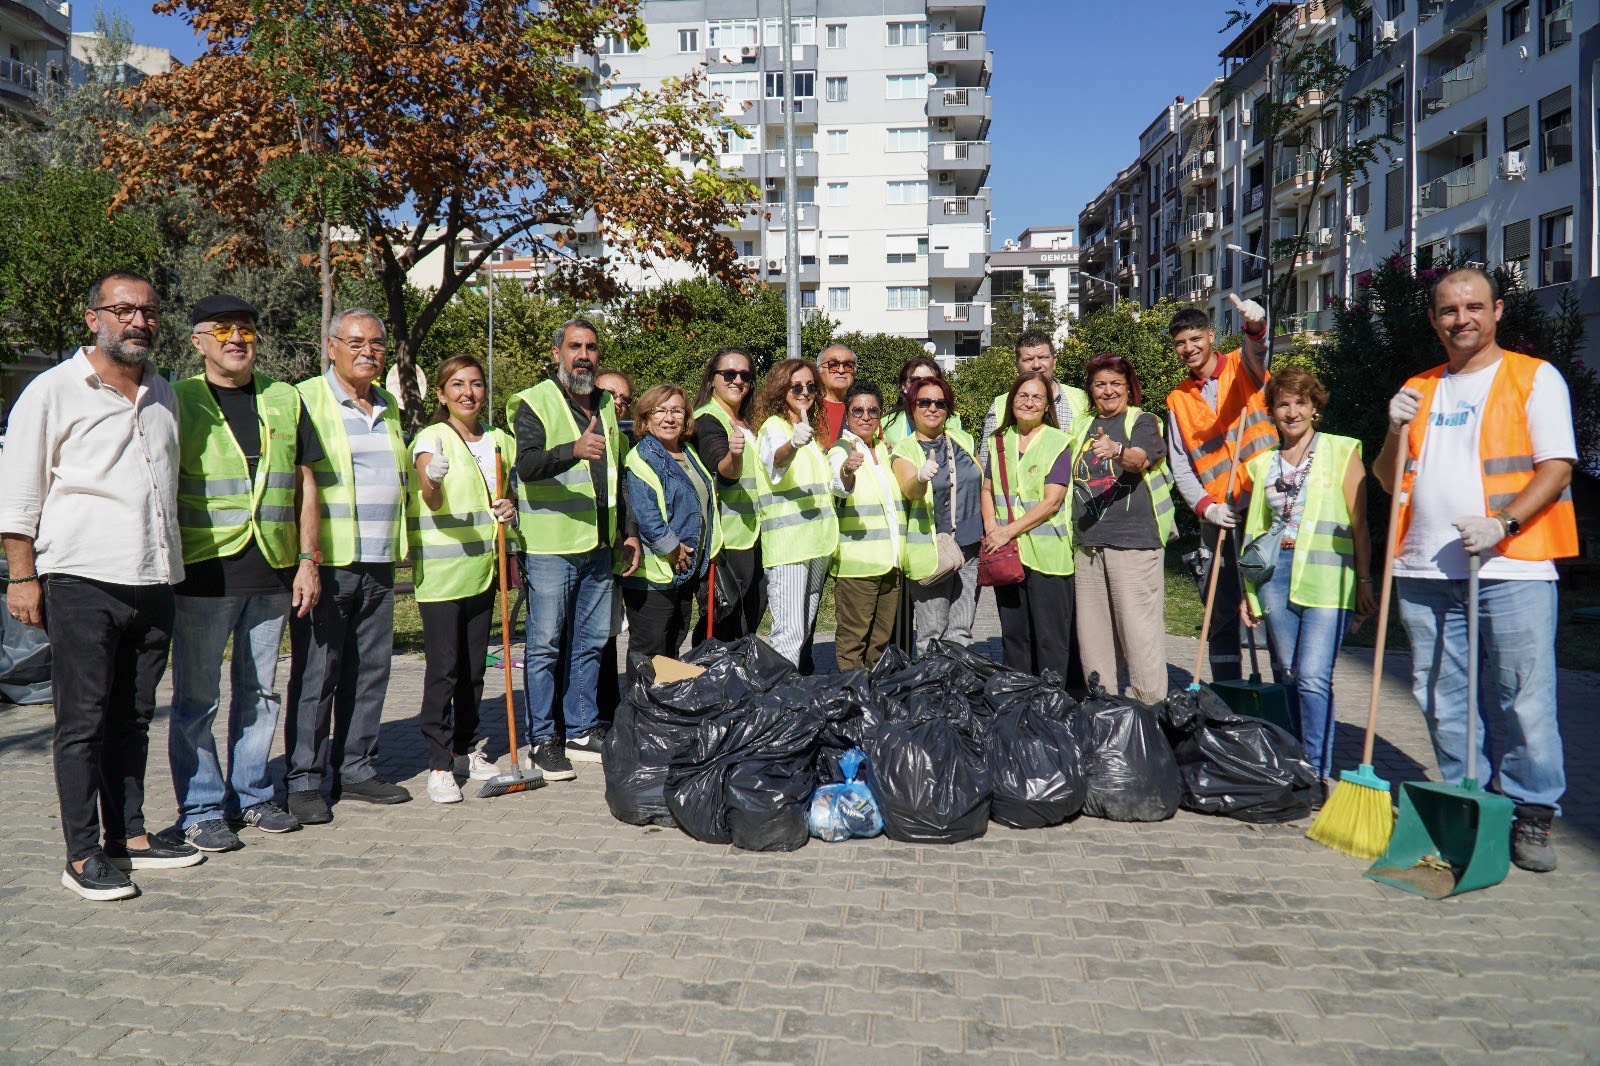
pixel 879 357
pixel 1019 311
pixel 978 380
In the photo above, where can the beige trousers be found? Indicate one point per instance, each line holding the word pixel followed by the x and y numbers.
pixel 1121 608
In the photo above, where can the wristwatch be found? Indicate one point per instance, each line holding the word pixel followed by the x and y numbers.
pixel 1513 527
pixel 314 558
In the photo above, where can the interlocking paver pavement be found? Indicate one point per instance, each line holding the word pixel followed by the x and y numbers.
pixel 536 926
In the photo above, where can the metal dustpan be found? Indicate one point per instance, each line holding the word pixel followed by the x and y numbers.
pixel 1451 839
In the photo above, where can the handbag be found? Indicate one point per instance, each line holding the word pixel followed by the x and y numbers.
pixel 948 552
pixel 1004 567
pixel 1258 558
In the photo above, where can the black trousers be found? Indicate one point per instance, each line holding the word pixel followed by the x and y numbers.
pixel 748 574
pixel 1222 646
pixel 1036 631
pixel 105 697
pixel 658 620
pixel 455 636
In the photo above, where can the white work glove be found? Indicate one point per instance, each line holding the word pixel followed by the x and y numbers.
pixel 1403 407
pixel 1252 316
pixel 802 435
pixel 438 466
pixel 1479 533
pixel 927 471
pixel 1223 516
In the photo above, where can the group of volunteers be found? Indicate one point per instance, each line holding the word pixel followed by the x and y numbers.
pixel 141 517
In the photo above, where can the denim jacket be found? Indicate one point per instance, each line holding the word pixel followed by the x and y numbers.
pixel 661 534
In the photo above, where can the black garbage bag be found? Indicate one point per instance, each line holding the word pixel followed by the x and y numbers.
pixel 754 659
pixel 1034 751
pixel 1243 768
pixel 1132 775
pixel 24 657
pixel 943 669
pixel 926 767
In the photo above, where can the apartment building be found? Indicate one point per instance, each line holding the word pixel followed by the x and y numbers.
pixel 892 114
pixel 33 53
pixel 124 64
pixel 1109 257
pixel 1042 261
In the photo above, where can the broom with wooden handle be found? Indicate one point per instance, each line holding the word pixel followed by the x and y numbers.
pixel 516 779
pixel 1358 818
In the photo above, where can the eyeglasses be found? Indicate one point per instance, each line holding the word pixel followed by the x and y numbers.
pixel 620 399
pixel 225 333
pixel 361 344
pixel 802 390
pixel 667 412
pixel 928 403
pixel 1029 401
pixel 124 312
pixel 838 364
pixel 730 376
pixel 867 413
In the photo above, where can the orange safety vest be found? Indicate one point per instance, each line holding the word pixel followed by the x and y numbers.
pixel 1237 431
pixel 1505 450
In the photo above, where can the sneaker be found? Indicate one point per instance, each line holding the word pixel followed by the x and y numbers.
pixel 309 808
pixel 269 818
pixel 99 880
pixel 374 790
pixel 476 766
pixel 162 853
pixel 550 760
pixel 442 787
pixel 587 747
pixel 212 835
pixel 1531 849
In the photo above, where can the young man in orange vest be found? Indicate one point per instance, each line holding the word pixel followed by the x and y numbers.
pixel 1491 446
pixel 1218 417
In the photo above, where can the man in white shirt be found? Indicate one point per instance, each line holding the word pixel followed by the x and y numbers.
pixel 1491 446
pixel 88 510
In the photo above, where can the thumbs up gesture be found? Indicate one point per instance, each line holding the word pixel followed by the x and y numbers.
pixel 736 442
pixel 853 462
pixel 1106 449
pixel 1253 316
pixel 592 445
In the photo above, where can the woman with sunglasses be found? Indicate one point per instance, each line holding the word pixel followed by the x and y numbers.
pixel 943 487
pixel 799 531
pixel 727 445
pixel 898 424
pixel 866 568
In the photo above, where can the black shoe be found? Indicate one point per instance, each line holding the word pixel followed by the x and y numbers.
pixel 308 806
pixel 587 747
pixel 163 853
pixel 1531 849
pixel 374 790
pixel 99 881
pixel 213 835
pixel 552 761
pixel 269 818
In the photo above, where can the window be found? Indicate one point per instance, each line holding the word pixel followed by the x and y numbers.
pixel 908 34
pixel 1518 20
pixel 735 141
pixel 805 84
pixel 1394 106
pixel 1555 27
pixel 736 90
pixel 1516 127
pixel 838 142
pixel 906 86
pixel 907 297
pixel 908 192
pixel 1555 130
pixel 689 40
pixel 1394 198
pixel 808 298
pixel 838 194
pixel 910 139
pixel 906 248
pixel 838 251
pixel 1555 248
pixel 836 35
pixel 804 31
pixel 616 46
pixel 1517 245
pixel 1395 9
pixel 839 299
pixel 1364 36
pixel 838 90
pixel 732 33
pixel 613 94
pixel 1361 199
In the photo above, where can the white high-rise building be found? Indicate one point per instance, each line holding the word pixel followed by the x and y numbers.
pixel 33 53
pixel 891 124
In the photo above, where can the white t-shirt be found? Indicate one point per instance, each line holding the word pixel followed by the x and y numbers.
pixel 482 450
pixel 1449 482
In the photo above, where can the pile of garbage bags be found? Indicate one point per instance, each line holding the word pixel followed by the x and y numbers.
pixel 740 749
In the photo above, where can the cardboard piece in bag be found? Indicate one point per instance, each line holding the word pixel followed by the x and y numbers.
pixel 669 670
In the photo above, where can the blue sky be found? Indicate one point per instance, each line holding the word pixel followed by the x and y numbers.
pixel 1075 83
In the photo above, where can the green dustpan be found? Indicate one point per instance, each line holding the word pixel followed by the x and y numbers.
pixel 1451 839
pixel 1255 698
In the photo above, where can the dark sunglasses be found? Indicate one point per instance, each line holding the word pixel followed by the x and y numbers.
pixel 730 376
pixel 802 390
pixel 928 403
pixel 865 412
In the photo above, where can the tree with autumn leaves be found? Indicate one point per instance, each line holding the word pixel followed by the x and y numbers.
pixel 431 127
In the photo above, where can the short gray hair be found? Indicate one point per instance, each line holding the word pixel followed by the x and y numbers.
pixel 336 323
pixel 559 337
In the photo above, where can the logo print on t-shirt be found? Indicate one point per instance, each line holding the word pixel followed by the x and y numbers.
pixel 1463 414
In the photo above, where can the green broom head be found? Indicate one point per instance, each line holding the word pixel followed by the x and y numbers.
pixel 1364 776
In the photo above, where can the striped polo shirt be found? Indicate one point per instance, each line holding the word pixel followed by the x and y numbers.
pixel 379 488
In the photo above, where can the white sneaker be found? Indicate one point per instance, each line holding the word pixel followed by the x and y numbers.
pixel 442 787
pixel 476 766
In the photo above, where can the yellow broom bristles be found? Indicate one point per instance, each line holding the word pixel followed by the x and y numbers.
pixel 1357 820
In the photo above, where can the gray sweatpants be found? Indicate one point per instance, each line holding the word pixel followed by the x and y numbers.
pixel 945 611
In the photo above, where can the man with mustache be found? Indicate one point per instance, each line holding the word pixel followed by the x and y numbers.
pixel 88 510
pixel 341 650
pixel 569 454
pixel 1490 447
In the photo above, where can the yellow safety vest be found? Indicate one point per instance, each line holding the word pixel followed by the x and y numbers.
pixel 797 517
pixel 739 504
pixel 335 472
pixel 1157 476
pixel 921 551
pixel 1324 573
pixel 898 427
pixel 1047 548
pixel 657 569
pixel 453 548
pixel 559 515
pixel 867 520
pixel 1077 404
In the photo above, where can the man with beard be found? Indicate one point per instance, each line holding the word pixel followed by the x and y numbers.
pixel 569 454
pixel 88 509
pixel 339 671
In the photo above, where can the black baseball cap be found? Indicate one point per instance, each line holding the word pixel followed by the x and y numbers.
pixel 214 307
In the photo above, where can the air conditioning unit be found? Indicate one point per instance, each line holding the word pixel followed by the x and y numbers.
pixel 728 55
pixel 1387 33
pixel 1209 157
pixel 941 70
pixel 1358 225
pixel 775 264
pixel 944 123
pixel 944 177
pixel 1245 117
pixel 748 51
pixel 1512 165
pixel 1324 237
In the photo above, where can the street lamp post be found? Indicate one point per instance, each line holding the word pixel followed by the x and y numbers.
pixel 1115 292
pixel 1266 291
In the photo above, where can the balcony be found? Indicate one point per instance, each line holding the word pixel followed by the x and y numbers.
pixel 1456 187
pixel 40 20
pixel 1199 168
pixel 1199 287
pixel 962 318
pixel 770 113
pixel 19 78
pixel 966 112
pixel 958 209
pixel 949 266
pixel 1307 323
pixel 1199 226
pixel 805 163
pixel 810 273
pixel 963 157
pixel 805 216
pixel 1295 176
pixel 965 48
pixel 1454 85
pixel 749 218
pixel 1198 110
pixel 960 14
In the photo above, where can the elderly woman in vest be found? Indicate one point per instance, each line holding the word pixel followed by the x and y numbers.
pixel 1311 491
pixel 866 568
pixel 1122 518
pixel 461 492
pixel 799 531
pixel 1030 471
pixel 674 498
pixel 726 443
pixel 943 488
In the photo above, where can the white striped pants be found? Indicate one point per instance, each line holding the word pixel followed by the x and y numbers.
pixel 794 592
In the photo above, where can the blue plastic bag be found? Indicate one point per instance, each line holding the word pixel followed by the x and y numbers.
pixel 839 812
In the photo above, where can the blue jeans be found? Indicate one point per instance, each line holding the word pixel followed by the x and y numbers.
pixel 203 627
pixel 569 596
pixel 1305 641
pixel 1517 633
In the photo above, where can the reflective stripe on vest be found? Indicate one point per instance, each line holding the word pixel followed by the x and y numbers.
pixel 1047 548
pixel 1324 573
pixel 739 504
pixel 219 508
pixel 657 569
pixel 1240 420
pixel 559 515
pixel 1505 450
pixel 1158 479
pixel 867 545
pixel 335 471
pixel 453 548
pixel 797 517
